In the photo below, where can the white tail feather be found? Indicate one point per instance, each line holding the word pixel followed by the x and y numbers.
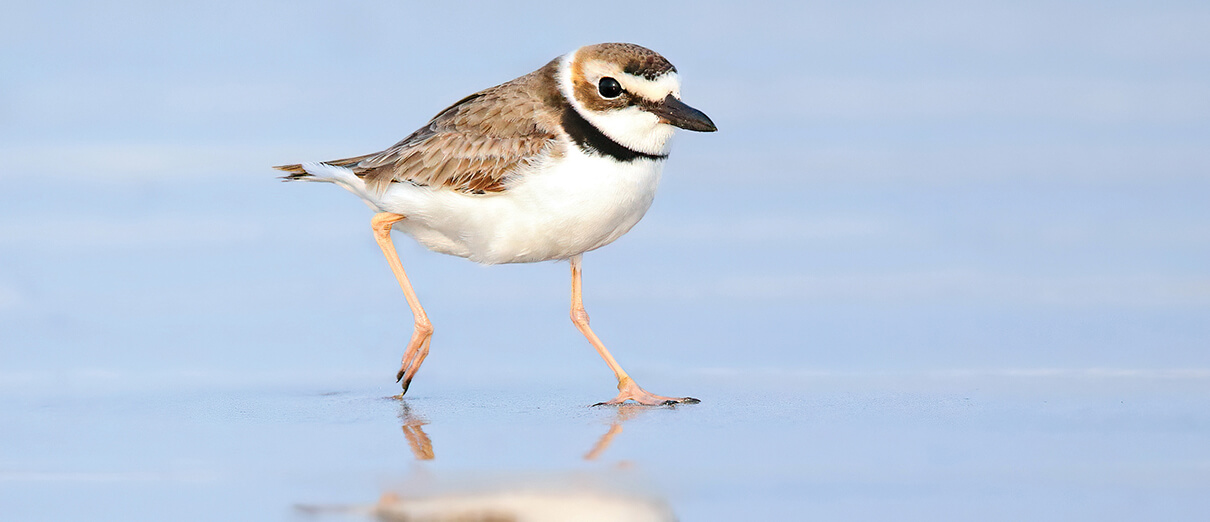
pixel 343 177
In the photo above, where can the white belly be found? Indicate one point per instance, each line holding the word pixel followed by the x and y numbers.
pixel 557 211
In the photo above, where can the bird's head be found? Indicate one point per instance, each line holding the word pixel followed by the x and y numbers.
pixel 630 93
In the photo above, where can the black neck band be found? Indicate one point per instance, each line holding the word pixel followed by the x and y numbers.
pixel 591 140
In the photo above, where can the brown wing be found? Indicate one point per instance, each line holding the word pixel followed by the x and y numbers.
pixel 474 145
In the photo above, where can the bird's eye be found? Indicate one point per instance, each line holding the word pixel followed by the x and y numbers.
pixel 609 88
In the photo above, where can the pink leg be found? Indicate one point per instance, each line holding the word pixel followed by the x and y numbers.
pixel 418 347
pixel 627 389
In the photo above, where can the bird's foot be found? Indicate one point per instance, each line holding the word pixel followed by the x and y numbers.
pixel 418 349
pixel 404 391
pixel 403 382
pixel 629 391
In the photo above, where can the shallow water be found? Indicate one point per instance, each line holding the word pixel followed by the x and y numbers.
pixel 775 444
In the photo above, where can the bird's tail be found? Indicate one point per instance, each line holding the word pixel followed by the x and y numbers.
pixel 299 172
pixel 332 172
pixel 295 172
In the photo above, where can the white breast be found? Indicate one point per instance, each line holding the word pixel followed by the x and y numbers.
pixel 556 210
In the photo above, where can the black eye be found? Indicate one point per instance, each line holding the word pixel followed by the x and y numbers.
pixel 609 88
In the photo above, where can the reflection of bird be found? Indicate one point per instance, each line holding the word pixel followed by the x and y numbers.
pixel 418 440
pixel 523 506
pixel 513 497
pixel 533 503
pixel 422 445
pixel 548 166
pixel 625 412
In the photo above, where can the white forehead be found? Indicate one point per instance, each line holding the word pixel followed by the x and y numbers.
pixel 654 90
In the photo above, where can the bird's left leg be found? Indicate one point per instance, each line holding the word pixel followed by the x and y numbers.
pixel 627 389
pixel 418 347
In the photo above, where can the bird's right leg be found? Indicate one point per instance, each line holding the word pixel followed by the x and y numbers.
pixel 627 389
pixel 418 347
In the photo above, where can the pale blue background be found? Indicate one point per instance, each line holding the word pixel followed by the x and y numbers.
pixel 941 261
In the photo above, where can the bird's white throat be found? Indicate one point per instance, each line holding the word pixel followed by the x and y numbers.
pixel 631 127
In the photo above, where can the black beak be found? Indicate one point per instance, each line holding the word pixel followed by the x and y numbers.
pixel 672 111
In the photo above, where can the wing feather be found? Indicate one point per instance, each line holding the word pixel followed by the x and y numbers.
pixel 476 145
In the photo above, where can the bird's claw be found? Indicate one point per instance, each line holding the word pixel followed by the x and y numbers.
pixel 629 391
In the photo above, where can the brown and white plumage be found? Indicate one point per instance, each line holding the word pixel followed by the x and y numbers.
pixel 471 146
pixel 548 166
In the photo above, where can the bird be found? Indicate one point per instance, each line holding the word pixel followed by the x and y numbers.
pixel 545 167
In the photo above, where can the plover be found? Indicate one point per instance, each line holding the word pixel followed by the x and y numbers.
pixel 548 166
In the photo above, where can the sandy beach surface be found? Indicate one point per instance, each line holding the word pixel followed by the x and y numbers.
pixel 775 445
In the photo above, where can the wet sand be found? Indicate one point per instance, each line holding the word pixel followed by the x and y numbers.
pixel 780 445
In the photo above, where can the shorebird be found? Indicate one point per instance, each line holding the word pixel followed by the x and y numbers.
pixel 548 166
